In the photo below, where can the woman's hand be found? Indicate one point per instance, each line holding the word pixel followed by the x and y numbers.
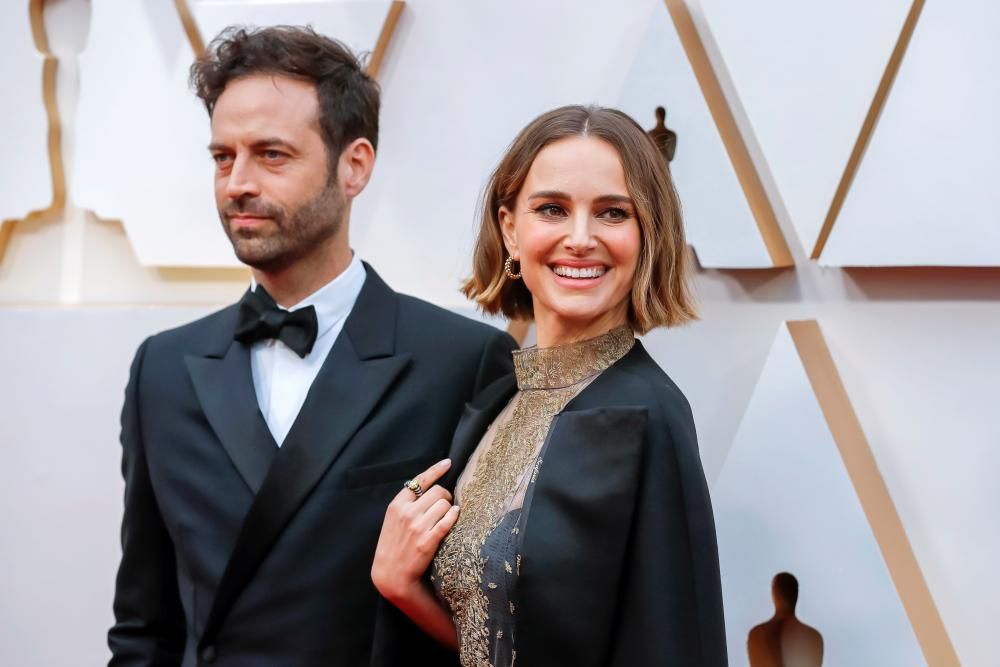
pixel 413 528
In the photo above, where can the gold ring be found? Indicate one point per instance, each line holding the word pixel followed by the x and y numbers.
pixel 414 485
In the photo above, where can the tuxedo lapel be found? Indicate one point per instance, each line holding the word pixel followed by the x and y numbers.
pixel 476 418
pixel 360 369
pixel 223 384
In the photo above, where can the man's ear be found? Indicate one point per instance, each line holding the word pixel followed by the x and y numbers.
pixel 506 217
pixel 354 168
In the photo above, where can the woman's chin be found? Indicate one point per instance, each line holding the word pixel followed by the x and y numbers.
pixel 584 320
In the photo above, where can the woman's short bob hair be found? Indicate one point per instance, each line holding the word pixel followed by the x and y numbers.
pixel 660 292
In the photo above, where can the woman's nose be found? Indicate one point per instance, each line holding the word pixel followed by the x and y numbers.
pixel 580 237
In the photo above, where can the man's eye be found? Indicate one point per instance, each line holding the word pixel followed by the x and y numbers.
pixel 220 158
pixel 273 155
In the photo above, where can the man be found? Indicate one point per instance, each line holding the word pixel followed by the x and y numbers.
pixel 261 445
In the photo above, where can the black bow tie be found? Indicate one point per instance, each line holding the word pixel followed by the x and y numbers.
pixel 260 318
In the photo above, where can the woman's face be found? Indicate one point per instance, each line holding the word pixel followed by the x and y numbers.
pixel 574 232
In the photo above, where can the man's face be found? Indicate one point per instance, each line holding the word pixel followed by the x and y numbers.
pixel 277 197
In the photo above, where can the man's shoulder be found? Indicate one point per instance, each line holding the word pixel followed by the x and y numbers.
pixel 199 335
pixel 426 320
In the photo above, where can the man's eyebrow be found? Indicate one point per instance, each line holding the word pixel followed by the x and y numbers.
pixel 272 141
pixel 259 143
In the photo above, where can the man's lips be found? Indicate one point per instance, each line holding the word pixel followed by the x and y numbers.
pixel 244 220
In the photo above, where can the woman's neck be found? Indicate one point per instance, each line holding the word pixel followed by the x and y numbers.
pixel 551 331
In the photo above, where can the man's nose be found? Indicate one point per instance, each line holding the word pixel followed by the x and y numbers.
pixel 242 180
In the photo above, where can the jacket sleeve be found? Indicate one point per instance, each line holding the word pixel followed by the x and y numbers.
pixel 149 624
pixel 670 605
pixel 495 361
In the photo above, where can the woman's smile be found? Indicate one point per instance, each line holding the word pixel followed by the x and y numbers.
pixel 578 276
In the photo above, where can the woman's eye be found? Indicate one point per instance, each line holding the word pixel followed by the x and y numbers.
pixel 615 214
pixel 550 210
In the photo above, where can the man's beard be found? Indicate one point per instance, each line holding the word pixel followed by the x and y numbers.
pixel 299 232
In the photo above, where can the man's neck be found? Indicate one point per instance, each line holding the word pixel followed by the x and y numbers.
pixel 291 285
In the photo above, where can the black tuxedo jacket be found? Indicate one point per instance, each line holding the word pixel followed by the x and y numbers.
pixel 620 562
pixel 240 553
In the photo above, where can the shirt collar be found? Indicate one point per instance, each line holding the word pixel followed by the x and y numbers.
pixel 333 301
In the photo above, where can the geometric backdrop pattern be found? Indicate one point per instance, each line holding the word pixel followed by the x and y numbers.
pixel 27 180
pixel 726 203
pixel 784 502
pixel 720 200
pixel 141 155
pixel 805 74
pixel 926 191
pixel 800 82
pixel 143 134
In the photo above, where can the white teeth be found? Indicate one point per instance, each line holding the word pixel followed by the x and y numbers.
pixel 574 272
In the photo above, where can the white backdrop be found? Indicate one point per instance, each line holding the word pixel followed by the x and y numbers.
pixel 916 347
pixel 25 185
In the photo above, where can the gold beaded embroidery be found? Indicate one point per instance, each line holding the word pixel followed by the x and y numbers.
pixel 547 379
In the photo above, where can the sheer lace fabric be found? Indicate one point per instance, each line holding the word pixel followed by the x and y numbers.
pixel 476 569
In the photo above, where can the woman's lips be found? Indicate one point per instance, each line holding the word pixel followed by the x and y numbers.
pixel 578 276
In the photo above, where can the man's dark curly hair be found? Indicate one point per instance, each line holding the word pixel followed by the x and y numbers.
pixel 348 96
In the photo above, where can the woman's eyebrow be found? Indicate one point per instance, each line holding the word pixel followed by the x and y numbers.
pixel 621 199
pixel 549 194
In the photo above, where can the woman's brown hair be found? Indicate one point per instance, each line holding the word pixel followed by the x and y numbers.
pixel 661 295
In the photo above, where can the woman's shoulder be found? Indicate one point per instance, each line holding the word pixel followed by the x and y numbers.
pixel 640 381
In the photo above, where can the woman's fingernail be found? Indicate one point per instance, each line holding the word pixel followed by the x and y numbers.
pixel 455 508
pixel 444 463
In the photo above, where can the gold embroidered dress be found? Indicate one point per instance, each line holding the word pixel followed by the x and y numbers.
pixel 476 569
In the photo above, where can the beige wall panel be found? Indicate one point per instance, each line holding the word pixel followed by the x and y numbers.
pixel 917 358
pixel 923 383
pixel 141 156
pixel 357 22
pixel 466 77
pixel 805 74
pixel 31 268
pixel 26 177
pixel 62 385
pixel 926 191
pixel 719 219
pixel 785 502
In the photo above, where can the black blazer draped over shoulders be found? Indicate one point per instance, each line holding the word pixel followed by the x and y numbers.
pixel 620 562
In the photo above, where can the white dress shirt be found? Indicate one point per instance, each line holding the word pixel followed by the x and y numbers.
pixel 280 377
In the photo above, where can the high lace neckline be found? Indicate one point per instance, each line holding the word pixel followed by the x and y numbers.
pixel 565 365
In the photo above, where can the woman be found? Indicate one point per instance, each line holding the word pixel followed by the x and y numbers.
pixel 585 535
